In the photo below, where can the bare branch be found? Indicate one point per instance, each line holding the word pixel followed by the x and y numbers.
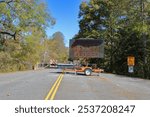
pixel 7 2
pixel 7 33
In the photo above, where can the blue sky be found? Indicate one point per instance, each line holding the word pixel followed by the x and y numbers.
pixel 66 14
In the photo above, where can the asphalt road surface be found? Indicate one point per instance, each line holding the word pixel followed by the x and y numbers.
pixel 48 84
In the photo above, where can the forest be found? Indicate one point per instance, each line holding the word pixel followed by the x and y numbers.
pixel 124 25
pixel 23 39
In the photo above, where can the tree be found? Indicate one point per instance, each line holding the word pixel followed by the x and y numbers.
pixel 124 26
pixel 19 15
pixel 57 49
pixel 22 29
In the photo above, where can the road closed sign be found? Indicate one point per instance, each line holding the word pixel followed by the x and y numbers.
pixel 131 60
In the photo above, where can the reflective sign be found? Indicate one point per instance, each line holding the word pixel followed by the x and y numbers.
pixel 130 69
pixel 131 60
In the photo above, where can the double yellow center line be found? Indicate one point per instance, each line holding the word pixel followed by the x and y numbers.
pixel 53 90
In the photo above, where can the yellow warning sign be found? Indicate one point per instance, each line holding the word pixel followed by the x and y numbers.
pixel 131 60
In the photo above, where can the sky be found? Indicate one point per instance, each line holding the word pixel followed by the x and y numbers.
pixel 65 13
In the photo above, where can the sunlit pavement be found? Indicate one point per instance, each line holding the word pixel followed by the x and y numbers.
pixel 35 85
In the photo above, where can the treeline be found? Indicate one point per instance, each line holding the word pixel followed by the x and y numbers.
pixel 124 25
pixel 23 41
pixel 55 48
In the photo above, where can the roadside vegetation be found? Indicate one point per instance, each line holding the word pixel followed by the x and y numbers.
pixel 23 40
pixel 124 25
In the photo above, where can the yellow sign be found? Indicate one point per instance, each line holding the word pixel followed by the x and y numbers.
pixel 131 60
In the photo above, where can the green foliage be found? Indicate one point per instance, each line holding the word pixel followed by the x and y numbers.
pixel 10 64
pixel 124 25
pixel 22 30
pixel 56 48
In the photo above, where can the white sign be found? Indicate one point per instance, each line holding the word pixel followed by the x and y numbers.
pixel 130 69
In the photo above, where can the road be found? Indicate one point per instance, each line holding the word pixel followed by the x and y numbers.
pixel 48 84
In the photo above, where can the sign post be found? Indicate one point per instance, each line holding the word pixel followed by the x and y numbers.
pixel 131 63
